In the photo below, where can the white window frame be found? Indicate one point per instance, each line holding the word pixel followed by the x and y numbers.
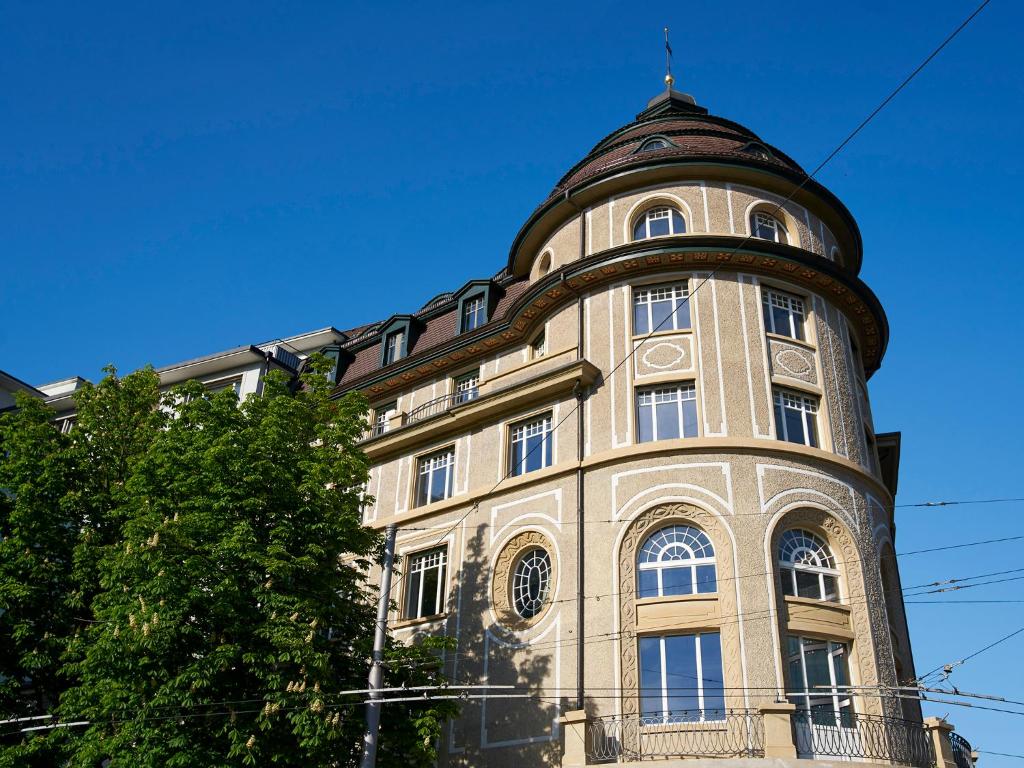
pixel 666 718
pixel 808 408
pixel 420 562
pixel 382 417
pixel 474 313
pixel 819 551
pixel 393 346
pixel 682 392
pixel 840 700
pixel 466 387
pixel 759 219
pixel 539 345
pixel 676 293
pixel 426 466
pixel 519 432
pixel 656 213
pixel 661 565
pixel 519 590
pixel 793 306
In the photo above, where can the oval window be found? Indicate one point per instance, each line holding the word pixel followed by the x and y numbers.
pixel 531 583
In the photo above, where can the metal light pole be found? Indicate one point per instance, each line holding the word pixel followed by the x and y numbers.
pixel 376 666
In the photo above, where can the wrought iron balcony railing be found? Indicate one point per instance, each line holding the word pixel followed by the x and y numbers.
pixel 829 734
pixel 736 733
pixel 440 405
pixel 961 751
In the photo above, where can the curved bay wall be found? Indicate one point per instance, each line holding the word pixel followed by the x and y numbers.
pixel 734 479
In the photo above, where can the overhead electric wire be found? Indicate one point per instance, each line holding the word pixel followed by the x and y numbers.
pixel 745 514
pixel 980 651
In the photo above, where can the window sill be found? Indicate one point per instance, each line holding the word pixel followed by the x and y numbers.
pixel 640 337
pixel 421 621
pixel 812 601
pixel 790 340
pixel 817 618
pixel 693 597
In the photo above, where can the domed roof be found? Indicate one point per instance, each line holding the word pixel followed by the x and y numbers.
pixel 675 131
pixel 673 128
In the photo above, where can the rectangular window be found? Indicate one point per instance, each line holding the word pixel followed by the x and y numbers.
pixel 467 387
pixel 681 678
pixel 474 313
pixel 663 413
pixel 424 577
pixel 235 385
pixel 783 313
pixel 818 676
pixel 393 347
pixel 436 476
pixel 382 418
pixel 531 445
pixel 796 418
pixel 539 346
pixel 661 308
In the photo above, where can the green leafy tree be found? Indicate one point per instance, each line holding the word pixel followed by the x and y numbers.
pixel 221 563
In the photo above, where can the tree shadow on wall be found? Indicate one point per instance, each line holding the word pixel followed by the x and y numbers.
pixel 499 730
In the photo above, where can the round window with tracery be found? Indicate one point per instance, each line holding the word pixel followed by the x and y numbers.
pixel 531 583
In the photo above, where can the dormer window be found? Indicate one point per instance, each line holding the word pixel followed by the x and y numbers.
pixel 766 227
pixel 393 346
pixel 654 144
pixel 659 222
pixel 757 150
pixel 476 301
pixel 474 313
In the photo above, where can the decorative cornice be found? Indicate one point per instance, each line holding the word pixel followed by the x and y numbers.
pixel 687 252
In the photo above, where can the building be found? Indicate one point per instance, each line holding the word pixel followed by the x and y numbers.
pixel 10 386
pixel 635 473
pixel 241 369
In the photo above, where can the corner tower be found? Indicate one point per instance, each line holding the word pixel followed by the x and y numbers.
pixel 636 475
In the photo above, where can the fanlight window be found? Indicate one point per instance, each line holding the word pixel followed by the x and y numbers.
pixel 767 227
pixel 653 144
pixel 658 222
pixel 676 560
pixel 807 567
pixel 531 583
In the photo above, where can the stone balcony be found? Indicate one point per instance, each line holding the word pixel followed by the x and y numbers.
pixel 776 735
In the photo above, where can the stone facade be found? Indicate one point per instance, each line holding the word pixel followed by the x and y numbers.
pixel 603 491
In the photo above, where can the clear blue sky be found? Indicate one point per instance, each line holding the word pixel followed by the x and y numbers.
pixel 177 180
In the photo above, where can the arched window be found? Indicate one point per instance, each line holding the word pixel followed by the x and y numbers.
pixel 767 227
pixel 807 567
pixel 676 560
pixel 652 144
pixel 658 222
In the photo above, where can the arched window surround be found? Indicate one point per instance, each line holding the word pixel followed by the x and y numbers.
pixel 653 515
pixel 807 567
pixel 837 531
pixel 789 224
pixel 655 143
pixel 657 199
pixel 676 559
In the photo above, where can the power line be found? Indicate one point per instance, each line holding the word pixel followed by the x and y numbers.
pixel 929 504
pixel 947 668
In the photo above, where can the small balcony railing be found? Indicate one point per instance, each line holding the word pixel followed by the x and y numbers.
pixel 961 751
pixel 736 733
pixel 440 405
pixel 828 734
